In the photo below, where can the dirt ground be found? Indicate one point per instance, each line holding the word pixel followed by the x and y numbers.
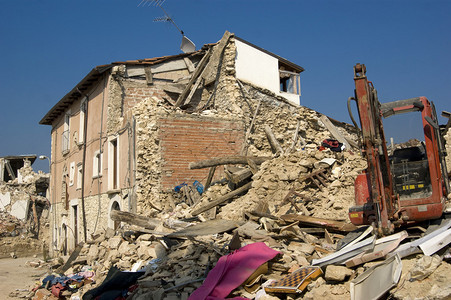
pixel 15 274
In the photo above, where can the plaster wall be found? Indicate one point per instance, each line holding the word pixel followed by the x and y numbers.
pixel 260 69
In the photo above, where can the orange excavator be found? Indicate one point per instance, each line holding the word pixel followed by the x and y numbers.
pixel 404 185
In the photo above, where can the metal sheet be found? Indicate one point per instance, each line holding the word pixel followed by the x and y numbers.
pixel 377 280
pixel 436 243
pixel 343 255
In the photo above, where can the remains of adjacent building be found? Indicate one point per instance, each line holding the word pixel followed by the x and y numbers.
pixel 24 207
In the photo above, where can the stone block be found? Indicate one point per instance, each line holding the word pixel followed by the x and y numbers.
pixel 337 273
pixel 93 253
pixel 145 237
pixel 123 248
pixel 114 242
pixel 301 248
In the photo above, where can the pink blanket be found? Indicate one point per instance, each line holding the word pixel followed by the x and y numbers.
pixel 232 270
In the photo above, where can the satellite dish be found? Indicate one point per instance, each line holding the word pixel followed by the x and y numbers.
pixel 187 45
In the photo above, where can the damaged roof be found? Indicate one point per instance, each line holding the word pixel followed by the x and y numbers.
pixel 87 82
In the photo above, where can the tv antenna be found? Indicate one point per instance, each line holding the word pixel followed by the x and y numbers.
pixel 187 45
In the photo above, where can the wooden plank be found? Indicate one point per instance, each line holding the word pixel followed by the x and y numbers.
pixel 241 175
pixel 319 222
pixel 222 199
pixel 211 70
pixel 10 170
pixel 169 66
pixel 231 160
pixel 189 64
pixel 206 228
pixel 334 131
pixel 193 90
pixel 295 139
pixel 149 76
pixel 134 219
pixel 211 173
pixel 273 141
pixel 252 165
pixel 249 130
pixel 199 69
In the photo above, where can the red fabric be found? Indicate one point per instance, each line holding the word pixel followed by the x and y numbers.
pixel 232 270
pixel 57 289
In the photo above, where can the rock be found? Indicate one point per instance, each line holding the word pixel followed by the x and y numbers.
pixel 424 267
pixel 301 248
pixel 93 253
pixel 114 242
pixel 436 286
pixel 337 273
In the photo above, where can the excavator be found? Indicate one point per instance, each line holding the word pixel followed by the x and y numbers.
pixel 400 186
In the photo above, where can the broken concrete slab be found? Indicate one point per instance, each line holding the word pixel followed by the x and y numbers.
pixel 382 247
pixel 344 254
pixel 20 209
pixel 5 199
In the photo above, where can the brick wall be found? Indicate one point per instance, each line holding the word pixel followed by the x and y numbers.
pixel 189 139
pixel 134 95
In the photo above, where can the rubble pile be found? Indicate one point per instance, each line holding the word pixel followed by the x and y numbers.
pixel 276 177
pixel 9 225
pixel 174 264
pixel 24 213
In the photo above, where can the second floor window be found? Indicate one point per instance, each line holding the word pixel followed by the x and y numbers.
pixel 97 165
pixel 290 82
pixel 66 133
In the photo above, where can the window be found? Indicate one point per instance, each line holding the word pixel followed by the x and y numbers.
pixel 81 136
pixel 79 175
pixel 113 164
pixel 290 82
pixel 66 134
pixel 71 173
pixel 97 165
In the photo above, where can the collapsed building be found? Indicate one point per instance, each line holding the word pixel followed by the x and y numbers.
pixel 24 207
pixel 148 143
pixel 123 137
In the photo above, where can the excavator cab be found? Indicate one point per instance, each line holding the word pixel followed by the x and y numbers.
pixel 410 171
pixel 403 184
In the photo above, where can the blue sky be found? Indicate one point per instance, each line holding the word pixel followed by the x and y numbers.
pixel 48 46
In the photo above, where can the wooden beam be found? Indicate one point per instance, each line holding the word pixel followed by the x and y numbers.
pixel 199 69
pixel 211 70
pixel 237 177
pixel 134 219
pixel 249 130
pixel 337 135
pixel 222 199
pixel 189 64
pixel 149 76
pixel 211 173
pixel 231 160
pixel 206 228
pixel 319 222
pixel 295 139
pixel 273 141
